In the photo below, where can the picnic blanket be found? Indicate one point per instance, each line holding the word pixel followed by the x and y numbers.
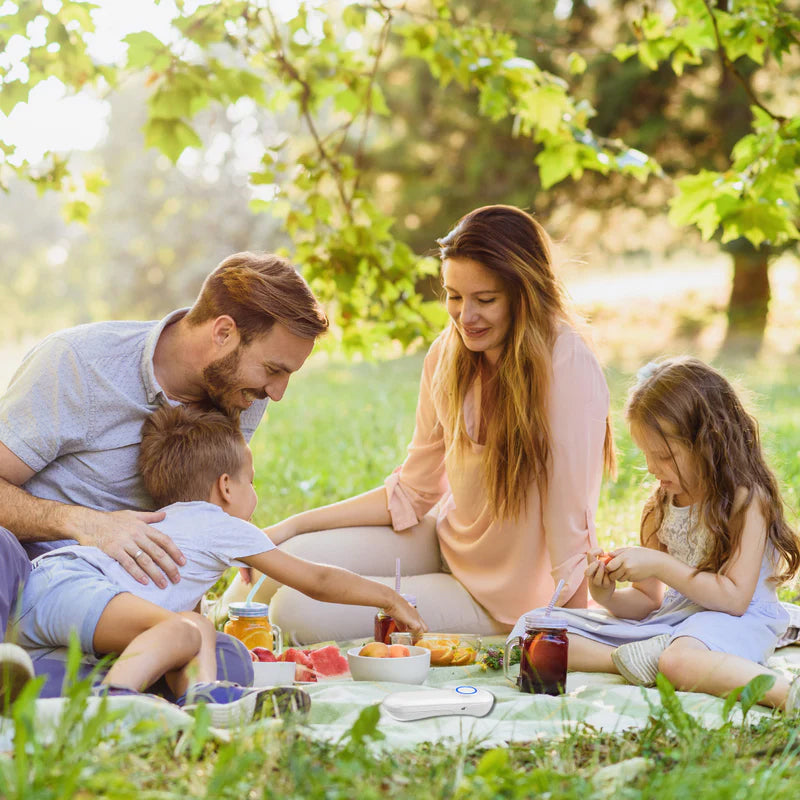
pixel 603 701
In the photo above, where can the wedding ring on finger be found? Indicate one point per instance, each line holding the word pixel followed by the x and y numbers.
pixel 137 553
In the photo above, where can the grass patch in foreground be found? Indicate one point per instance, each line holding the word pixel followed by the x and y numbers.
pixel 672 756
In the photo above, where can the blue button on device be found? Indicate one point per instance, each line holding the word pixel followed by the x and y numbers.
pixel 466 689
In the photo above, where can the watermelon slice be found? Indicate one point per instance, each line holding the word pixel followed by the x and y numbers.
pixel 262 654
pixel 328 662
pixel 304 669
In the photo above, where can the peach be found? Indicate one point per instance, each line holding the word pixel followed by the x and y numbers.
pixel 374 650
pixel 398 651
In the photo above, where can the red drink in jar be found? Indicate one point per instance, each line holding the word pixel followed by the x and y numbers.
pixel 385 625
pixel 543 661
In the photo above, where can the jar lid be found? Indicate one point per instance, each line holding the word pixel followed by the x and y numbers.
pixel 251 610
pixel 541 622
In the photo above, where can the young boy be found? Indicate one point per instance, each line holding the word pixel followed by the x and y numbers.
pixel 196 464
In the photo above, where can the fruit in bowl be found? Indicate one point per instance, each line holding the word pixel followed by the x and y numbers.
pixel 406 665
pixel 447 649
pixel 381 650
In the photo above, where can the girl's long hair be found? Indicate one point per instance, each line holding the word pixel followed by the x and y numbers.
pixel 511 244
pixel 685 400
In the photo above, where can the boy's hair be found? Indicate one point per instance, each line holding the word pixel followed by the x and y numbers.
pixel 257 290
pixel 185 449
pixel 701 410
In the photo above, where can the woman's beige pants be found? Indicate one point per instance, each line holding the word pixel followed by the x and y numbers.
pixel 445 605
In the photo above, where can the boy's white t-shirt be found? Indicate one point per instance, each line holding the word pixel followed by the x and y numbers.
pixel 211 540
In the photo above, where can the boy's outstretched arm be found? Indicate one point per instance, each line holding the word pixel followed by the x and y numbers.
pixel 336 585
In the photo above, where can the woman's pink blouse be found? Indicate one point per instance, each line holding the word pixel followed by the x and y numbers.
pixel 511 567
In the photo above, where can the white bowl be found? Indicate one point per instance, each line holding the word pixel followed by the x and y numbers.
pixel 273 673
pixel 408 669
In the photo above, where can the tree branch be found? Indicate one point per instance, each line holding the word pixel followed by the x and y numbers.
pixel 728 65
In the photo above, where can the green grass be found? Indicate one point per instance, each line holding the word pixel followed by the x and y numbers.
pixel 340 430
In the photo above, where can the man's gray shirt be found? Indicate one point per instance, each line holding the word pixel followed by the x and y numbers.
pixel 74 411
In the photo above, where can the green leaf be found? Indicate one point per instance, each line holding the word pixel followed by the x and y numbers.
pixel 366 726
pixel 171 102
pixel 556 163
pixel 145 50
pixel 94 180
pixel 170 136
pixel 681 722
pixel 545 107
pixel 493 762
pixel 755 691
pixel 622 52
pixel 576 64
pixel 76 211
pixel 11 94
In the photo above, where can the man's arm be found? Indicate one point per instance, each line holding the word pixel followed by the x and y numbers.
pixel 119 534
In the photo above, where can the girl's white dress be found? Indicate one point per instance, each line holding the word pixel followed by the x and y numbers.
pixel 752 636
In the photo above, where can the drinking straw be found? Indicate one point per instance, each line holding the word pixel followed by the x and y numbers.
pixel 253 591
pixel 397 575
pixel 553 599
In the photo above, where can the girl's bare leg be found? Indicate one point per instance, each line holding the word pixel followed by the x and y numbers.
pixel 587 655
pixel 691 667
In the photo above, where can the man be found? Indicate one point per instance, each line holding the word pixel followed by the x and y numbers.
pixel 71 420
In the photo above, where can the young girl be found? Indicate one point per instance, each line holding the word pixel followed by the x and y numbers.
pixel 713 534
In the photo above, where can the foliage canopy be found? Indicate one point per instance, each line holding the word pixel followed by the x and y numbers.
pixel 333 64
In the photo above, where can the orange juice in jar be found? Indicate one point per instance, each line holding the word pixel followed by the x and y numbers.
pixel 250 624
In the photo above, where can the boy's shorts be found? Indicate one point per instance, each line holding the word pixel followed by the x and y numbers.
pixel 63 594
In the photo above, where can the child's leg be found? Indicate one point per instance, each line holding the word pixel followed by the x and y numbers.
pixel 203 669
pixel 151 641
pixel 691 667
pixel 587 655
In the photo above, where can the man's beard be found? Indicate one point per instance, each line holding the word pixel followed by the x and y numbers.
pixel 219 379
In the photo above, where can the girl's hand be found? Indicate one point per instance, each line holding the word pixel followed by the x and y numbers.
pixel 601 584
pixel 635 564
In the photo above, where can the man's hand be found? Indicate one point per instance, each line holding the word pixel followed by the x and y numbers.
pixel 129 538
pixel 635 564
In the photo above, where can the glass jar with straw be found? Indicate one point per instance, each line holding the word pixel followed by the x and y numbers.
pixel 545 648
pixel 249 623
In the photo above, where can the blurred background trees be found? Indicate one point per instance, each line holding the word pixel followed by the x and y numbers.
pixel 355 134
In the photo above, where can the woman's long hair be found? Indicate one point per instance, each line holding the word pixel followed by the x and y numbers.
pixel 511 244
pixel 685 400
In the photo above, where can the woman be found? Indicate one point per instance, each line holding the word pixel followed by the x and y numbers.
pixel 511 435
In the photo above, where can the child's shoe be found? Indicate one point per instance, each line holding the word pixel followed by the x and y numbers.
pixel 637 662
pixel 230 704
pixel 112 690
pixel 16 669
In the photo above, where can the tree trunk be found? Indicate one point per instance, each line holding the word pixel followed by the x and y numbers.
pixel 749 300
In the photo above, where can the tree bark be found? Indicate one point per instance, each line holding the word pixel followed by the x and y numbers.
pixel 749 299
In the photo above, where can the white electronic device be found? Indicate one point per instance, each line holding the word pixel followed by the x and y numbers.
pixel 461 700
